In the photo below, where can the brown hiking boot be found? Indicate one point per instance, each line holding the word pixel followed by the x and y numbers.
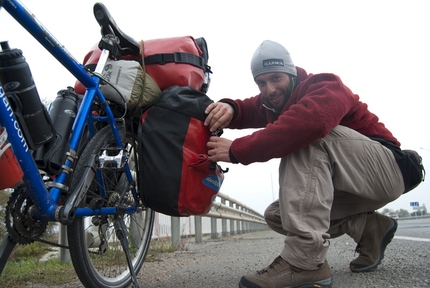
pixel 378 232
pixel 281 274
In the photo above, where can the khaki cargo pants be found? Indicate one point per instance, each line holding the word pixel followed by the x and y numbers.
pixel 326 190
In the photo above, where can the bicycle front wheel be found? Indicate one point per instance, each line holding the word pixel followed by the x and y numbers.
pixel 96 252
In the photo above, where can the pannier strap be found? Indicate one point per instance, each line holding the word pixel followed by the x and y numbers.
pixel 177 57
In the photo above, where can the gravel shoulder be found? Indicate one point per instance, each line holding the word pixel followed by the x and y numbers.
pixel 221 263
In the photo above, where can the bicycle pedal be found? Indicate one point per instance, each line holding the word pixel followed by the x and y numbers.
pixel 112 159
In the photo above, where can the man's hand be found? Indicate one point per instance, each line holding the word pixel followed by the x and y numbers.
pixel 219 149
pixel 219 115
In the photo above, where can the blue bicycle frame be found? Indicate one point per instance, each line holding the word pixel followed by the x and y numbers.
pixel 46 200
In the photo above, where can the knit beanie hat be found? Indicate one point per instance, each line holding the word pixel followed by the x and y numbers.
pixel 271 57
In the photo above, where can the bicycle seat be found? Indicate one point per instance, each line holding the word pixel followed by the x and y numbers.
pixel 128 46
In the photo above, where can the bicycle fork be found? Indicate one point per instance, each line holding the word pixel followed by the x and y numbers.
pixel 67 212
pixel 110 158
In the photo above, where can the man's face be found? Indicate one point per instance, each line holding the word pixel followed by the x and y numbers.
pixel 275 88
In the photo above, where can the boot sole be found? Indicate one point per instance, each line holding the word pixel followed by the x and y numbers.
pixel 385 241
pixel 319 284
pixel 327 283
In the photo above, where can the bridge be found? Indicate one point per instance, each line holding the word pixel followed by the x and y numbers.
pixel 227 249
pixel 221 262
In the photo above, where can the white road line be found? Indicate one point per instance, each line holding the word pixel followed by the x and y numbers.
pixel 412 238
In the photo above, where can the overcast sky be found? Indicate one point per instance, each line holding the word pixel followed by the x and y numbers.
pixel 380 49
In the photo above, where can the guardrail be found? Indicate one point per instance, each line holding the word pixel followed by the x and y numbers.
pixel 241 218
pixel 415 217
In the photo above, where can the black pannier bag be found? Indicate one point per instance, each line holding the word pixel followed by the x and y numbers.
pixel 176 175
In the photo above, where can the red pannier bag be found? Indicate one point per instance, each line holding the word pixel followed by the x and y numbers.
pixel 176 176
pixel 169 61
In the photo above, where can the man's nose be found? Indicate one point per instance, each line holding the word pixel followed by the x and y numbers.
pixel 270 89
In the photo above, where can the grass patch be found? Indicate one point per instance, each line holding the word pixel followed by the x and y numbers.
pixel 24 267
pixel 161 246
pixel 31 270
pixel 158 246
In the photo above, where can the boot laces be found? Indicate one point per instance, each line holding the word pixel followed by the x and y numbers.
pixel 271 266
pixel 276 262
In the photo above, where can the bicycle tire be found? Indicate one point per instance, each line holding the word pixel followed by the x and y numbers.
pixel 105 265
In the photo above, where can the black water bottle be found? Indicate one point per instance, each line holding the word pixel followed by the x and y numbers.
pixel 52 156
pixel 17 82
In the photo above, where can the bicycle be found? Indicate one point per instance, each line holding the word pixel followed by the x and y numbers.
pixel 96 193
